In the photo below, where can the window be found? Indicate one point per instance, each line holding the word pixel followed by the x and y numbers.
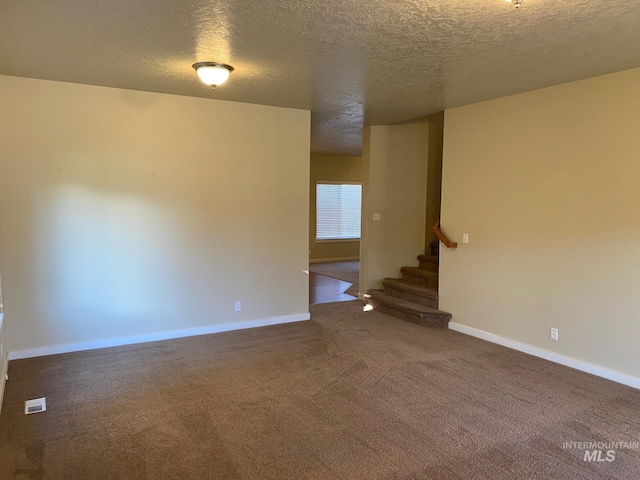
pixel 338 211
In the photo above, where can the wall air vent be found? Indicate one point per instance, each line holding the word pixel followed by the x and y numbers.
pixel 35 406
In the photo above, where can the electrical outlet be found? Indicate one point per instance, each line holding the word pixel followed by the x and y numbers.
pixel 238 306
pixel 465 238
pixel 554 334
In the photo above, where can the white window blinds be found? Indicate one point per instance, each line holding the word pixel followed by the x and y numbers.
pixel 338 211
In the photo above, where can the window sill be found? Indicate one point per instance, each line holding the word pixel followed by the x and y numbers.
pixel 338 240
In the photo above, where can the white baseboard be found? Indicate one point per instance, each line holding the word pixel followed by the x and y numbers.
pixel 596 370
pixel 4 360
pixel 154 337
pixel 340 259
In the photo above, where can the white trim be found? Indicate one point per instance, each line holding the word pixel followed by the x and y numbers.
pixel 337 240
pixel 583 366
pixel 154 337
pixel 337 182
pixel 5 363
pixel 330 260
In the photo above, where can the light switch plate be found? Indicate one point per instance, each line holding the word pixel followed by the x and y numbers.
pixel 376 217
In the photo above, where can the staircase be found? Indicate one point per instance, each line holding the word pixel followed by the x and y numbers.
pixel 414 297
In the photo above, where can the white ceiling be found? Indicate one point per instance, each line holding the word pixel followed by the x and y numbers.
pixel 352 62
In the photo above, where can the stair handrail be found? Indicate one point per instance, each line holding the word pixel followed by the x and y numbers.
pixel 443 238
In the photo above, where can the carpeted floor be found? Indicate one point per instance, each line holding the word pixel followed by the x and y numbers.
pixel 347 395
pixel 345 271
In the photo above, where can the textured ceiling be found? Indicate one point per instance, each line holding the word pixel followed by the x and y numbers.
pixel 352 62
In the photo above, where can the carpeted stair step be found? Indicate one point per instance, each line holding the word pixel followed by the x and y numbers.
pixel 410 311
pixel 420 276
pixel 429 262
pixel 408 291
pixel 435 247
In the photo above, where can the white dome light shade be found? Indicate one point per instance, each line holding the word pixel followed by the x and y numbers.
pixel 213 73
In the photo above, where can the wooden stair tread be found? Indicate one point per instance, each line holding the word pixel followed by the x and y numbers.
pixel 419 272
pixel 414 297
pixel 378 296
pixel 428 258
pixel 421 290
pixel 434 247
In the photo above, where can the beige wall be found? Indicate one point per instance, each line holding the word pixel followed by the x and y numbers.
pixel 128 213
pixel 394 179
pixel 434 175
pixel 4 352
pixel 331 168
pixel 4 358
pixel 546 184
pixel 434 170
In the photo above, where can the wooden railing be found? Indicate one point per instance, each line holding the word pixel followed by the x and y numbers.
pixel 443 238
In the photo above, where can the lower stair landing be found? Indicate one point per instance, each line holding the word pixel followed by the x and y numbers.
pixel 414 297
pixel 407 310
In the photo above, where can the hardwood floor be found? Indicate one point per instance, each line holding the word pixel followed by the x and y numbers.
pixel 323 289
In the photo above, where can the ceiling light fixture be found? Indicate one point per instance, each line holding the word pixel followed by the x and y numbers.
pixel 213 73
pixel 516 3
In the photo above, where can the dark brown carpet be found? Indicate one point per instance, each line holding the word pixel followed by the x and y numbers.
pixel 348 395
